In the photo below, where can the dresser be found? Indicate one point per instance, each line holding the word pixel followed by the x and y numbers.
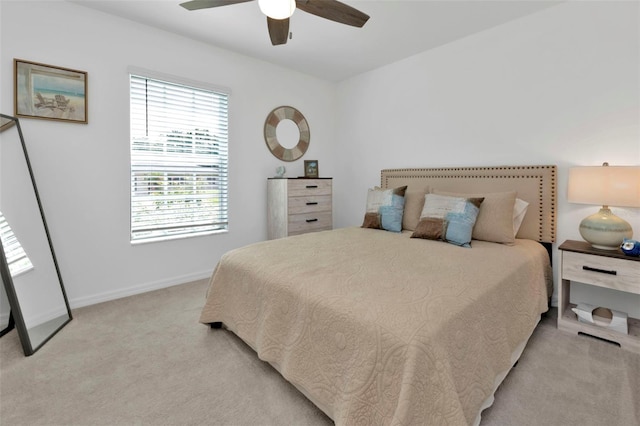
pixel 298 205
pixel 602 268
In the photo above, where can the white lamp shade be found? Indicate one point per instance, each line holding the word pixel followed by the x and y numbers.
pixel 277 9
pixel 617 186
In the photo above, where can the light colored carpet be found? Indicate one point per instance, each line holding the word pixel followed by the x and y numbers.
pixel 145 360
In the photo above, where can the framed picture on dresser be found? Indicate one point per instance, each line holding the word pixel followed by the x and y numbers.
pixel 311 168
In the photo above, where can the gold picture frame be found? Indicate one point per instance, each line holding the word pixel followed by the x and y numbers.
pixel 6 122
pixel 49 92
pixel 311 169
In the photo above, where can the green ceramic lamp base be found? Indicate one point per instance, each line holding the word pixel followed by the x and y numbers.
pixel 604 230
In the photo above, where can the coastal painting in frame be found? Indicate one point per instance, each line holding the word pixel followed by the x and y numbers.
pixel 311 169
pixel 49 92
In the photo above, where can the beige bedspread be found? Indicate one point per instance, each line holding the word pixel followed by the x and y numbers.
pixel 378 328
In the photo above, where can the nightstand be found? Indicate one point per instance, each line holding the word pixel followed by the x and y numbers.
pixel 603 268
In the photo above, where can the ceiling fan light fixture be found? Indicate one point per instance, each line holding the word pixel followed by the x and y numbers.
pixel 277 9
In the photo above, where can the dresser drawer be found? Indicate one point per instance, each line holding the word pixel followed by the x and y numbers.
pixel 309 204
pixel 309 187
pixel 309 222
pixel 601 271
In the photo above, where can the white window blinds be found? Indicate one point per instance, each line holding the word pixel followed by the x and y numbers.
pixel 16 257
pixel 179 155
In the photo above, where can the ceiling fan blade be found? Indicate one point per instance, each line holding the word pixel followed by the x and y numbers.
pixel 334 11
pixel 206 4
pixel 278 30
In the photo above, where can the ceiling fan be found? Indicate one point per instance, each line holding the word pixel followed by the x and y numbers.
pixel 279 11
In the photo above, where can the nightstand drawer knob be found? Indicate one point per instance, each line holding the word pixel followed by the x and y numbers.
pixel 312 186
pixel 311 220
pixel 312 204
pixel 602 271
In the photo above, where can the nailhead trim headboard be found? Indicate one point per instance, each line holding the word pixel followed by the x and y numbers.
pixel 534 184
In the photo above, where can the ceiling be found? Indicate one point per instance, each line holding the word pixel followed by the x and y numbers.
pixel 397 29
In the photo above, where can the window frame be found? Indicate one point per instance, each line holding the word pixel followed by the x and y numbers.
pixel 180 81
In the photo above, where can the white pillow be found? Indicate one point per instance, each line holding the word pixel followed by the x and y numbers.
pixel 519 212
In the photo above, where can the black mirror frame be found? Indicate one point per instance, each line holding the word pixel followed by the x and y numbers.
pixel 16 316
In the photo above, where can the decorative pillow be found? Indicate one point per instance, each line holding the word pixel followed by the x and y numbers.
pixel 413 204
pixel 449 219
pixel 384 209
pixel 495 220
pixel 519 212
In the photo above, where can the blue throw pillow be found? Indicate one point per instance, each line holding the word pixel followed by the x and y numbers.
pixel 385 208
pixel 391 216
pixel 449 219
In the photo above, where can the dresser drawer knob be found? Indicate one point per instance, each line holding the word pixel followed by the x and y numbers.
pixel 312 204
pixel 312 186
pixel 311 220
pixel 602 271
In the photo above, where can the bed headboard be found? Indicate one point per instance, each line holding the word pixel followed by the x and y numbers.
pixel 534 184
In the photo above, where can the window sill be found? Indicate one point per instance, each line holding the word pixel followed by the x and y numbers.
pixel 176 237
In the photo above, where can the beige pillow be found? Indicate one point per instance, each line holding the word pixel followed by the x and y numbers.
pixel 495 220
pixel 413 203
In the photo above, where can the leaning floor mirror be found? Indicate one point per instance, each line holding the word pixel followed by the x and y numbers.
pixel 36 302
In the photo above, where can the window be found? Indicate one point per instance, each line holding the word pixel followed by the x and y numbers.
pixel 16 257
pixel 179 155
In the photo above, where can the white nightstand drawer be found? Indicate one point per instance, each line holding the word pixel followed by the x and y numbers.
pixel 601 271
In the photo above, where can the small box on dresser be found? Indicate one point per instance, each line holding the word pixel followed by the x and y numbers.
pixel 602 268
pixel 298 205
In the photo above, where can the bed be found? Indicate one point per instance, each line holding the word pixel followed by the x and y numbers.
pixel 377 327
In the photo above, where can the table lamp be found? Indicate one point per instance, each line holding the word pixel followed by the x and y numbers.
pixel 605 185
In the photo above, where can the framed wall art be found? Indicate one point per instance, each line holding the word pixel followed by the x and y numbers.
pixel 49 92
pixel 311 168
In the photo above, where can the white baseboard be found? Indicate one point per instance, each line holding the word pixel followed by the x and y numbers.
pixel 42 317
pixel 79 302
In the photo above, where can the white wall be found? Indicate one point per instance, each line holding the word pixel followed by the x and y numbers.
pixel 557 87
pixel 83 170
